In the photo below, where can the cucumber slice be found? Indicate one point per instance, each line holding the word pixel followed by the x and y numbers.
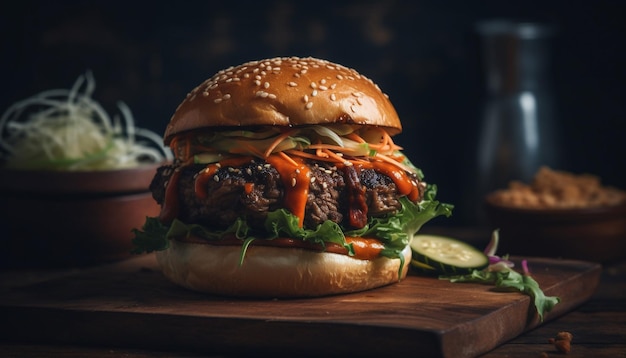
pixel 446 255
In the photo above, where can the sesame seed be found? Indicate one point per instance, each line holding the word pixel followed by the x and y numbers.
pixel 297 171
pixel 205 94
pixel 313 85
pixel 323 81
pixel 293 181
pixel 305 98
pixel 249 171
pixel 226 96
pixel 257 82
pixel 314 93
pixel 339 77
pixel 333 86
pixel 293 84
pixel 216 178
pixel 352 108
pixel 217 100
pixel 333 97
pixel 266 85
pixel 324 185
pixel 312 180
pixel 322 88
pixel 309 105
pixel 259 168
pixel 358 100
pixel 271 95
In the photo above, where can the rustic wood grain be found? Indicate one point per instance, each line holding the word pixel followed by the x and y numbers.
pixel 129 304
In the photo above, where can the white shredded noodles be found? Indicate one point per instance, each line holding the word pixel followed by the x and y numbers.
pixel 68 130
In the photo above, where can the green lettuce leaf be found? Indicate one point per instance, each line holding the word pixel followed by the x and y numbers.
pixel 394 230
pixel 510 280
pixel 281 223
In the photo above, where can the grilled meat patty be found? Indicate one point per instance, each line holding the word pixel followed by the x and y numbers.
pixel 254 189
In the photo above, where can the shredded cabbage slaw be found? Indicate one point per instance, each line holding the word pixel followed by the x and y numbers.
pixel 62 129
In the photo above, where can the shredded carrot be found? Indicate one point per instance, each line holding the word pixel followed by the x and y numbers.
pixel 335 156
pixel 335 148
pixel 277 141
pixel 288 158
pixel 320 153
pixel 355 137
pixel 394 162
pixel 303 154
pixel 311 156
pixel 386 144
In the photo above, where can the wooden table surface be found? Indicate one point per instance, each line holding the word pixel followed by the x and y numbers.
pixel 598 328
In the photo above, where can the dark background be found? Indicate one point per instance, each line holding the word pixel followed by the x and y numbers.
pixel 424 53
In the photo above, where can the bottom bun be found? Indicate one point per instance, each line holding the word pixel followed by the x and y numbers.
pixel 273 272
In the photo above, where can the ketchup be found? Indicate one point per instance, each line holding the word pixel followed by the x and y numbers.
pixel 169 209
pixel 296 179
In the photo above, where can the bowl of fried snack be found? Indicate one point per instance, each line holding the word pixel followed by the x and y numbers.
pixel 561 214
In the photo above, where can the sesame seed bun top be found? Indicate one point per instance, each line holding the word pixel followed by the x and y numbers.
pixel 284 92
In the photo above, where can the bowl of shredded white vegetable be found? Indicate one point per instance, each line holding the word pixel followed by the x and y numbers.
pixel 74 181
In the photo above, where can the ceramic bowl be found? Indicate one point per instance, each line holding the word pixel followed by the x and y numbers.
pixel 72 218
pixel 593 234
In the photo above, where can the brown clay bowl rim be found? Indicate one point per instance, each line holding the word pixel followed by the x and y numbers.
pixel 597 212
pixel 129 180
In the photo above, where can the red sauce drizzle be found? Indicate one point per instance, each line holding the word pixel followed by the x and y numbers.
pixel 404 183
pixel 296 180
pixel 364 248
pixel 169 209
pixel 202 180
pixel 357 207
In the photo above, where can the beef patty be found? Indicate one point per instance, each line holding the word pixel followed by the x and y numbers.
pixel 254 189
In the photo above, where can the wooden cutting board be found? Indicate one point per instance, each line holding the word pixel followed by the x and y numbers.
pixel 130 304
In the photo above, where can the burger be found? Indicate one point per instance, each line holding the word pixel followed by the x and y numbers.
pixel 286 183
